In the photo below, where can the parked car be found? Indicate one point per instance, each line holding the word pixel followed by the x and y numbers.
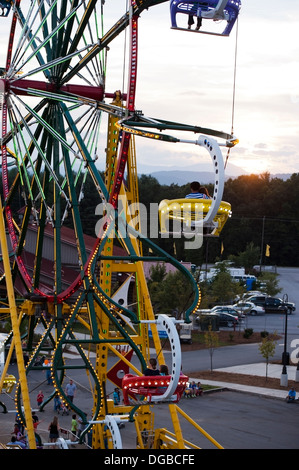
pixel 227 309
pixel 226 319
pixel 249 308
pixel 207 319
pixel 273 304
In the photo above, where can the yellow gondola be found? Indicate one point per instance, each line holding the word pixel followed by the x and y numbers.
pixel 190 216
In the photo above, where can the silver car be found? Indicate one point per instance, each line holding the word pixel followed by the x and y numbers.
pixel 249 308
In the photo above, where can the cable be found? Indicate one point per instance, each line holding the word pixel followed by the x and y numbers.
pixel 234 89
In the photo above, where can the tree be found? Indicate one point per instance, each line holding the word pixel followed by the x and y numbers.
pixel 172 293
pixel 223 288
pixel 211 339
pixel 267 350
pixel 247 258
pixel 271 280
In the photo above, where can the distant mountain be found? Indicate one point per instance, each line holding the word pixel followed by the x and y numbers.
pixel 180 176
pixel 183 177
pixel 282 176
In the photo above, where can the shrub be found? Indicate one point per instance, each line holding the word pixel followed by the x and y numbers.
pixel 247 332
pixel 264 334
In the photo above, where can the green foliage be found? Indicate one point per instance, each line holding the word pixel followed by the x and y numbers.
pixel 267 349
pixel 223 289
pixel 247 258
pixel 211 339
pixel 173 292
pixel 271 280
pixel 255 199
pixel 247 333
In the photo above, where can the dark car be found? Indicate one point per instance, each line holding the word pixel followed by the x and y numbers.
pixel 226 319
pixel 226 309
pixel 273 304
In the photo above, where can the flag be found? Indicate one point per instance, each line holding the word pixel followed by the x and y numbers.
pixel 222 248
pixel 174 249
pixel 267 250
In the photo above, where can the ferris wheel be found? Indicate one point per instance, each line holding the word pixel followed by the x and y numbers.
pixel 53 100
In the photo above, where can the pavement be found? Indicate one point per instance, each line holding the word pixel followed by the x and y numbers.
pixel 274 370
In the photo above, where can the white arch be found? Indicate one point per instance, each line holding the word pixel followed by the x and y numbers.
pixel 168 324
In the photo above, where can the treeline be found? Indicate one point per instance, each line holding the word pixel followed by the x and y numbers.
pixel 265 211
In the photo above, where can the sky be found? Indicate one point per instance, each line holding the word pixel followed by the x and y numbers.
pixel 189 78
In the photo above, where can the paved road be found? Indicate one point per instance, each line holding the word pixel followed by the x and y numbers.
pixel 249 354
pixel 237 421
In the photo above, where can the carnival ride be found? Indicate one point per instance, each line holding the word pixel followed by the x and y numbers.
pixel 216 10
pixel 53 99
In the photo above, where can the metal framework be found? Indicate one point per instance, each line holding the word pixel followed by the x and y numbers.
pixel 53 100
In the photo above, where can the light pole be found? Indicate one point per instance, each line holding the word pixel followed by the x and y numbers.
pixel 284 374
pixel 262 244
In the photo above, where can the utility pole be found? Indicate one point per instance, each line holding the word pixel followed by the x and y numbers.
pixel 262 244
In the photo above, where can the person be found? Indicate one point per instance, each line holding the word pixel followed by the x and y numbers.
pixel 35 420
pixel 199 390
pixel 116 396
pixel 188 391
pixel 40 398
pixel 18 424
pixel 48 364
pixel 164 369
pixel 191 22
pixel 74 427
pixel 70 390
pixel 53 430
pixel 57 403
pixel 152 367
pixel 13 441
pixel 21 438
pixel 81 427
pixel 197 191
pixel 203 190
pixel 193 389
pixel 291 395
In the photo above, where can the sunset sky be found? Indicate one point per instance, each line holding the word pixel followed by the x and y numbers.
pixel 188 77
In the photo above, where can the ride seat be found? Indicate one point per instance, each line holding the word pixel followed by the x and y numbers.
pixel 190 213
pixel 205 9
pixel 147 387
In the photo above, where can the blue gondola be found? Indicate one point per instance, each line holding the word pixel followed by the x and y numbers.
pixel 4 8
pixel 227 10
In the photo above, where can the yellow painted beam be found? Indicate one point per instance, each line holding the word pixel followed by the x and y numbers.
pixel 16 333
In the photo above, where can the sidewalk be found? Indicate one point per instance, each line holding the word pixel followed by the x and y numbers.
pixel 274 370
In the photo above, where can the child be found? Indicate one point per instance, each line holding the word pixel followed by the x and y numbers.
pixel 40 398
pixel 116 396
pixel 74 427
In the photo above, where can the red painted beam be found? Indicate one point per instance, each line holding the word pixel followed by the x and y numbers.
pixel 21 87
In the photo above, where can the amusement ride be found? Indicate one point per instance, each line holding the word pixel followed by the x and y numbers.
pixel 53 102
